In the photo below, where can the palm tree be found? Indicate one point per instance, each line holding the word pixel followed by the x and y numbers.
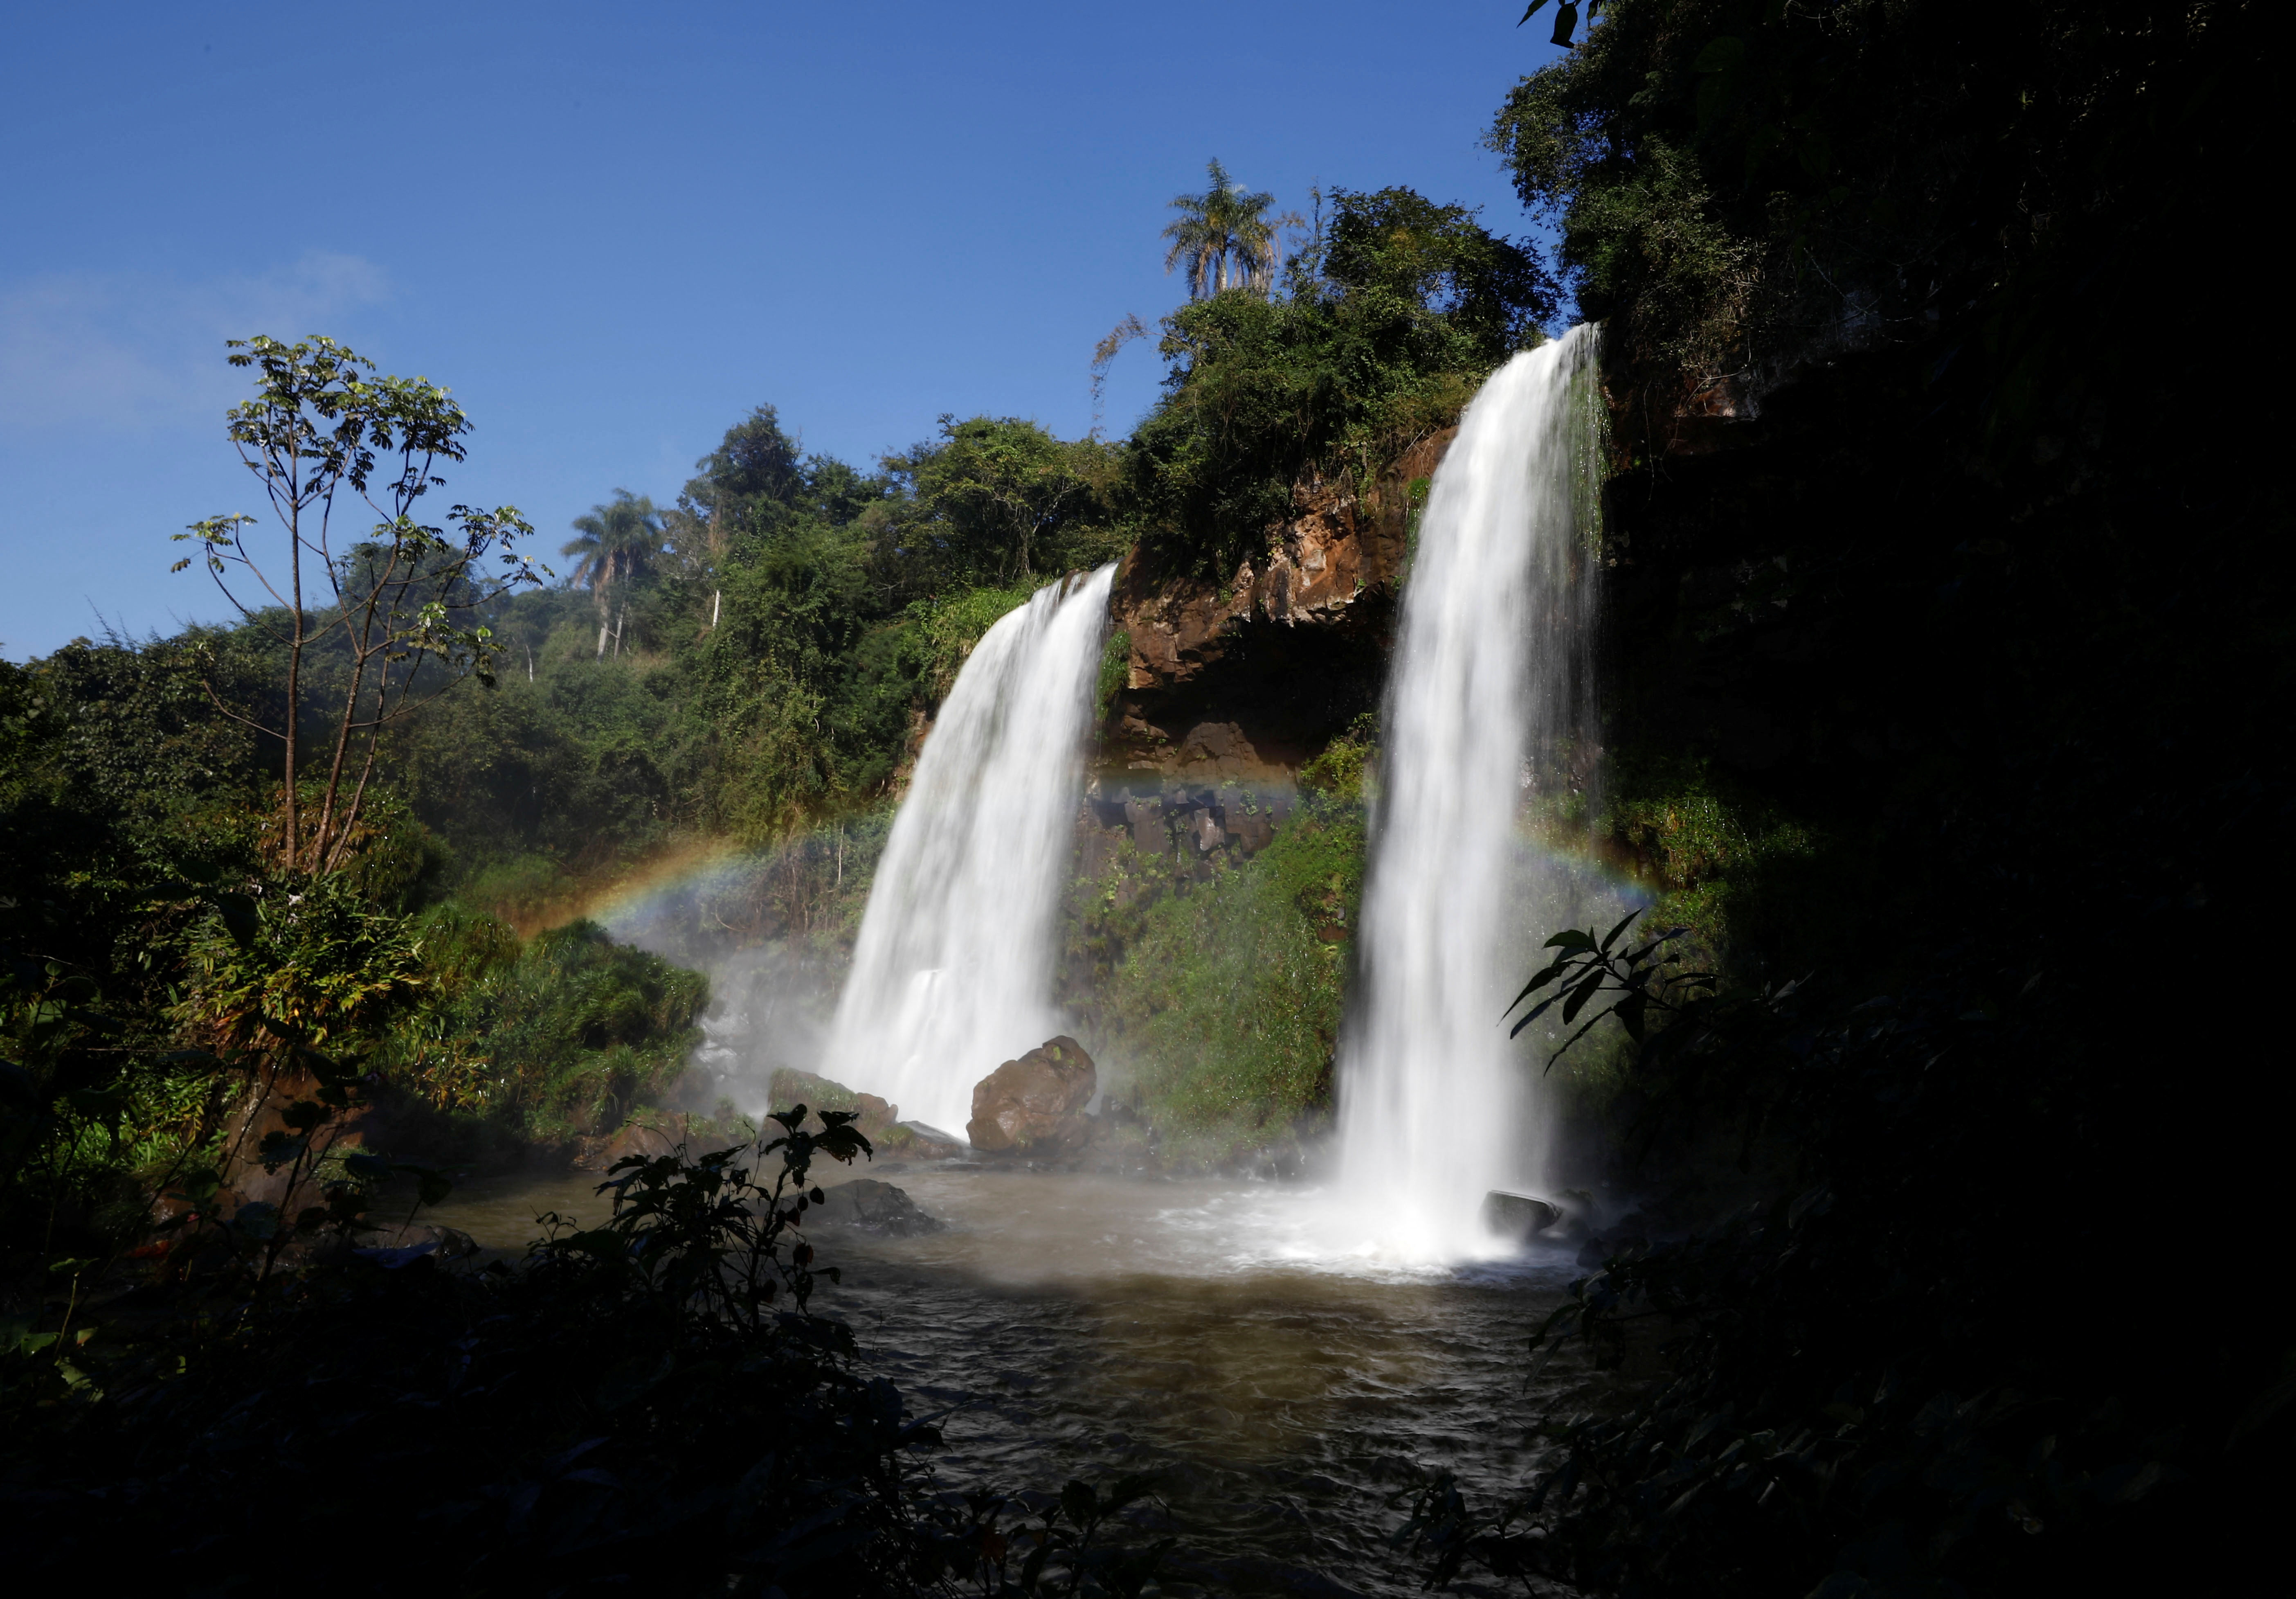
pixel 618 541
pixel 1221 226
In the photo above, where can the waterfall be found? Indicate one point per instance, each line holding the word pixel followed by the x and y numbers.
pixel 1488 686
pixel 952 973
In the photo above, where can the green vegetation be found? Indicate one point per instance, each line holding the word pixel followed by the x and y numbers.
pixel 1222 1006
pixel 649 1401
pixel 1388 319
pixel 560 1035
pixel 1933 680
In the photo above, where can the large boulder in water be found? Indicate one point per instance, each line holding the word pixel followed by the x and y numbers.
pixel 1519 1216
pixel 789 1088
pixel 873 1207
pixel 1034 1105
pixel 917 1141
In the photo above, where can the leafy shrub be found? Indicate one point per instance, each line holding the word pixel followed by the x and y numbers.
pixel 562 1034
pixel 648 1402
pixel 1390 323
pixel 1225 1005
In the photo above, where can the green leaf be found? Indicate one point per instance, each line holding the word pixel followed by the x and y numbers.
pixel 1571 938
pixel 1527 14
pixel 1566 23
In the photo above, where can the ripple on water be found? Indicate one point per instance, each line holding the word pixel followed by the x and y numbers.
pixel 1283 1369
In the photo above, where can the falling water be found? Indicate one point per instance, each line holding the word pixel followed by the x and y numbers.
pixel 1489 685
pixel 952 973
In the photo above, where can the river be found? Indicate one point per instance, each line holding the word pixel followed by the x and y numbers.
pixel 1282 1392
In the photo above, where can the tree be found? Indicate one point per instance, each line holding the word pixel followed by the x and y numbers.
pixel 1222 225
pixel 997 492
pixel 404 598
pixel 1483 284
pixel 619 541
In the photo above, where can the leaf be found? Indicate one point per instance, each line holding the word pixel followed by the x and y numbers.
pixel 1630 1012
pixel 1079 1503
pixel 237 911
pixel 1527 14
pixel 1566 21
pixel 1580 995
pixel 1612 937
pixel 1571 938
pixel 1537 1011
pixel 1537 983
pixel 1128 1488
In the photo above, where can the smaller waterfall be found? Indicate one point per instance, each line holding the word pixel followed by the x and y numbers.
pixel 1489 682
pixel 952 973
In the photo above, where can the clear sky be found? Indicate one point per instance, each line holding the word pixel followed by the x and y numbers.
pixel 611 229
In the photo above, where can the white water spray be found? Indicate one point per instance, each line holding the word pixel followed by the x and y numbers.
pixel 1489 685
pixel 952 973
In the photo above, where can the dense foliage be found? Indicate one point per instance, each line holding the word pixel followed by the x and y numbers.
pixel 1929 693
pixel 1389 320
pixel 1220 1004
pixel 647 1401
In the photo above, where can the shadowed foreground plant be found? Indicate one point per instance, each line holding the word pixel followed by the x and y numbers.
pixel 651 1401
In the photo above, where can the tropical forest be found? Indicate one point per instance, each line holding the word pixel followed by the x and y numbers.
pixel 1554 915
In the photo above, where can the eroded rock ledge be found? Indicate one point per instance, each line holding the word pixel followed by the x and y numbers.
pixel 1243 680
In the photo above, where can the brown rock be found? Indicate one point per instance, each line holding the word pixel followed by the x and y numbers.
pixel 1034 1105
pixel 788 1089
pixel 1281 654
pixel 646 1142
pixel 917 1141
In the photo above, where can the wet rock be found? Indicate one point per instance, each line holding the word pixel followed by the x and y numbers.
pixel 391 1245
pixel 917 1141
pixel 401 1243
pixel 1254 829
pixel 870 1206
pixel 1243 676
pixel 1034 1105
pixel 647 1141
pixel 1521 1216
pixel 1146 819
pixel 789 1088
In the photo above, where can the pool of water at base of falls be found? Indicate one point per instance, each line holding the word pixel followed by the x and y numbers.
pixel 1283 1387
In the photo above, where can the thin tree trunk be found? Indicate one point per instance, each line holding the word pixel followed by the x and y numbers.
pixel 603 581
pixel 362 650
pixel 293 840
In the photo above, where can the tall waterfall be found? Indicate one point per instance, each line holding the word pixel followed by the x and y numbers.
pixel 952 973
pixel 1489 685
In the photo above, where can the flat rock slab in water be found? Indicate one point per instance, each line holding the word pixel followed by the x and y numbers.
pixel 873 1207
pixel 1522 1215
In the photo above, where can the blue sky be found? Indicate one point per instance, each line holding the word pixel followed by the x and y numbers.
pixel 611 230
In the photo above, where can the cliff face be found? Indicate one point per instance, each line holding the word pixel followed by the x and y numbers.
pixel 1243 680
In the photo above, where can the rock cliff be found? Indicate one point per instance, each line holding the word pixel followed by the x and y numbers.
pixel 1242 680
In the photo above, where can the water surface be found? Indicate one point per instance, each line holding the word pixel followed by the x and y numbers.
pixel 1284 1381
